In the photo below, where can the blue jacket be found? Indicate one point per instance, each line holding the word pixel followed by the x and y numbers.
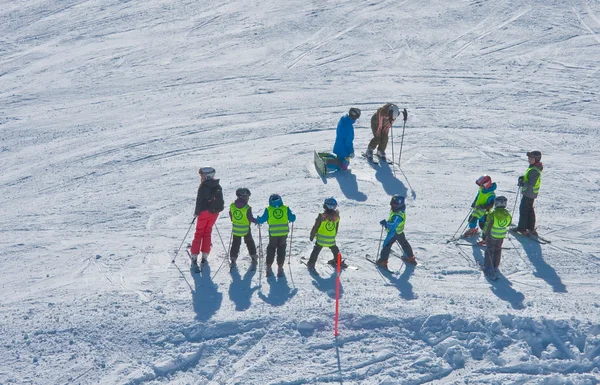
pixel 278 203
pixel 392 226
pixel 344 136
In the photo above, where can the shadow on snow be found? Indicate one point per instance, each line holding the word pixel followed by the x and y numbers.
pixel 502 287
pixel 543 270
pixel 279 292
pixel 206 296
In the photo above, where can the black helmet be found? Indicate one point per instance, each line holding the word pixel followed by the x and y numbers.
pixel 274 197
pixel 397 201
pixel 242 192
pixel 535 155
pixel 354 113
pixel 500 202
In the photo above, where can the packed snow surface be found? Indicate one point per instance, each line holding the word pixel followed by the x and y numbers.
pixel 108 108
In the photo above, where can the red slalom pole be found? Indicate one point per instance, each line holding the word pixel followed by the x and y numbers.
pixel 337 295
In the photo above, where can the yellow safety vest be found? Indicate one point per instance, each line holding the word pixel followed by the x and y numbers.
pixel 480 201
pixel 278 221
pixel 400 228
pixel 239 220
pixel 536 188
pixel 326 233
pixel 499 219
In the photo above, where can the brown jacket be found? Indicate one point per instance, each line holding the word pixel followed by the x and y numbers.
pixel 380 121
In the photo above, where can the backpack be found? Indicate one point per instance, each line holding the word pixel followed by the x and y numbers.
pixel 215 203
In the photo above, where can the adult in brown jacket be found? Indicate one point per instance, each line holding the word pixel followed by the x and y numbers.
pixel 381 123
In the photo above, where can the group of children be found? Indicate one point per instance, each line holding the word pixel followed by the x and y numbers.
pixel 488 211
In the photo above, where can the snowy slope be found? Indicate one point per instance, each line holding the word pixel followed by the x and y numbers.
pixel 109 107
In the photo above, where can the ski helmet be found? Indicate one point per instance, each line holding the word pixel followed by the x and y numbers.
pixel 394 111
pixel 484 181
pixel 208 172
pixel 242 192
pixel 535 155
pixel 330 204
pixel 500 202
pixel 274 197
pixel 397 201
pixel 354 113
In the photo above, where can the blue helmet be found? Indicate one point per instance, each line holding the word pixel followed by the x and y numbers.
pixel 330 204
pixel 274 197
pixel 397 201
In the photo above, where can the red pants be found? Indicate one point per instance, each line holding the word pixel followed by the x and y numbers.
pixel 202 237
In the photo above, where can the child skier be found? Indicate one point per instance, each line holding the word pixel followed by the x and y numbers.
pixel 394 225
pixel 325 229
pixel 278 216
pixel 343 147
pixel 530 186
pixel 381 123
pixel 241 216
pixel 482 205
pixel 494 231
pixel 209 203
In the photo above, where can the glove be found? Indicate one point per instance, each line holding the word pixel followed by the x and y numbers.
pixel 404 114
pixel 351 156
pixel 521 181
pixel 312 238
pixel 383 222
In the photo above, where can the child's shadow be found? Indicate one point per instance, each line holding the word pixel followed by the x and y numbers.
pixel 502 287
pixel 279 292
pixel 402 282
pixel 206 296
pixel 240 290
pixel 327 285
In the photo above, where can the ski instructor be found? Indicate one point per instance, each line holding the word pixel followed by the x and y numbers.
pixel 343 147
pixel 381 123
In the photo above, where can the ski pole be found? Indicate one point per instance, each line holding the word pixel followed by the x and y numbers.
pixel 515 204
pixel 259 257
pixel 379 246
pixel 186 234
pixel 401 142
pixel 226 252
pixel 337 295
pixel 392 137
pixel 290 255
pixel 461 225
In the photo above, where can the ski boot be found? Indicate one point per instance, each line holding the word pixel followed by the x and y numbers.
pixel 280 272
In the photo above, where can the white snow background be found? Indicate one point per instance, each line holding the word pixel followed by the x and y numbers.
pixel 108 108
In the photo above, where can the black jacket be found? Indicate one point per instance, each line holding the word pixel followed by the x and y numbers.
pixel 209 189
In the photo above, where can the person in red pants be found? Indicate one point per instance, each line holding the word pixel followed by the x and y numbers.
pixel 209 203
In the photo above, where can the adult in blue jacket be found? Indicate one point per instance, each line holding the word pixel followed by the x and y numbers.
pixel 343 147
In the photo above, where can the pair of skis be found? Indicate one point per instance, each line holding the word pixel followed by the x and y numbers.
pixel 376 159
pixel 374 262
pixel 535 238
pixel 345 266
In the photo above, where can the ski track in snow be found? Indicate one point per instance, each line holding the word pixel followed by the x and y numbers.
pixel 109 108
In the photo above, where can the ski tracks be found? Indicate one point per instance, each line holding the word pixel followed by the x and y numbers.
pixel 487 32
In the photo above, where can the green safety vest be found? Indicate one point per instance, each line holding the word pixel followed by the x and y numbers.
pixel 278 221
pixel 536 188
pixel 482 199
pixel 499 219
pixel 327 231
pixel 239 220
pixel 400 228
